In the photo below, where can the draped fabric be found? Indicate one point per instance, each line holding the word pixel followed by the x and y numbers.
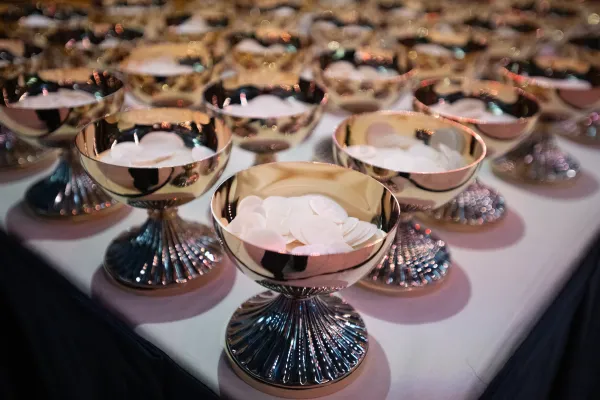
pixel 56 343
pixel 560 358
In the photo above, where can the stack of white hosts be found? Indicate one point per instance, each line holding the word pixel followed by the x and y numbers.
pixel 399 153
pixel 266 106
pixel 60 98
pixel 346 70
pixel 161 66
pixel 252 46
pixel 155 150
pixel 472 108
pixel 306 225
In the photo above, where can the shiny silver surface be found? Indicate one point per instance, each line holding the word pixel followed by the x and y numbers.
pixel 296 343
pixel 417 260
pixel 68 192
pixel 165 252
pixel 303 339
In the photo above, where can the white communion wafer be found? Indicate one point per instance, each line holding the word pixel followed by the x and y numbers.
pixel 177 158
pixel 125 150
pixel 359 230
pixel 326 207
pixel 318 229
pixel 322 227
pixel 246 221
pixel 349 224
pixel 265 238
pixel 369 231
pixel 60 98
pixel 163 139
pixel 201 153
pixel 249 202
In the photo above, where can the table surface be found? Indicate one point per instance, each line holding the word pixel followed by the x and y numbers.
pixel 448 344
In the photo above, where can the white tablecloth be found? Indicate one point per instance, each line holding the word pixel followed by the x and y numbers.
pixel 446 345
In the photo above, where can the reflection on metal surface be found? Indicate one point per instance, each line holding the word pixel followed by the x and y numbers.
pixel 165 251
pixel 429 259
pixel 539 159
pixel 180 90
pixel 67 192
pixel 366 94
pixel 303 307
pixel 480 205
pixel 267 136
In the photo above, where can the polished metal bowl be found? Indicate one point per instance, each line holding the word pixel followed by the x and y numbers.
pixel 291 59
pixel 267 136
pixel 180 90
pixel 418 259
pixel 166 251
pixel 362 95
pixel 302 304
pixel 16 57
pixel 465 50
pixel 540 160
pixel 68 192
pixel 87 46
pixel 479 205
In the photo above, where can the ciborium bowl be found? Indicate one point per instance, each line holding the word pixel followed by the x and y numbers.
pixel 34 22
pixel 18 56
pixel 166 252
pixel 343 28
pixel 418 259
pixel 439 50
pixel 299 299
pixel 96 46
pixel 204 25
pixel 272 50
pixel 262 134
pixel 68 192
pixel 161 86
pixel 365 93
pixel 567 85
pixel 506 118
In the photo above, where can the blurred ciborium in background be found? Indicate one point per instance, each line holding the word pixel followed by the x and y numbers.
pixel 166 252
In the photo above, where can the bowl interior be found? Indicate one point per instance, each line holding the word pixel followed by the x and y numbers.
pixel 459 42
pixel 236 91
pixel 414 190
pixel 191 54
pixel 362 197
pixel 292 42
pixel 194 128
pixel 554 66
pixel 376 58
pixel 155 187
pixel 90 38
pixel 498 98
pixel 100 84
pixel 213 20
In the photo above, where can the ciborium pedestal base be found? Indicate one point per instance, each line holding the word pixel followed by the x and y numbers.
pixel 296 347
pixel 15 153
pixel 68 193
pixel 584 130
pixel 417 260
pixel 478 206
pixel 163 253
pixel 538 159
